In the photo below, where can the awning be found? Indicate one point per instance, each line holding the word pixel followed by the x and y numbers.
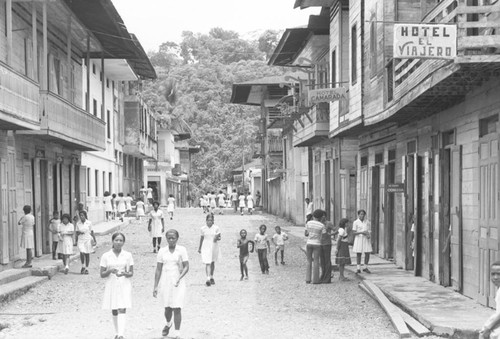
pixel 312 3
pixel 180 129
pixel 103 20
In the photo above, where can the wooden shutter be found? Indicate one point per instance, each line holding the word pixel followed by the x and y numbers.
pixel 4 213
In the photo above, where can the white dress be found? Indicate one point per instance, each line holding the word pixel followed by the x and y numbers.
pixel 249 201
pixel 66 245
pixel 128 203
pixel 121 206
pixel 171 204
pixel 242 200
pixel 222 200
pixel 213 204
pixel 108 207
pixel 172 267
pixel 362 243
pixel 28 235
pixel 85 239
pixel 210 250
pixel 156 225
pixel 118 290
pixel 140 209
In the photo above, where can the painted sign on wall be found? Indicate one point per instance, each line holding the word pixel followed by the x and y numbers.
pixel 422 41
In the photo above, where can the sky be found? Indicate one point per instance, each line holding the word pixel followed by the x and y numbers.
pixel 158 21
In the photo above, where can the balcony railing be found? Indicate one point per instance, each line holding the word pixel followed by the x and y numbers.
pixel 476 35
pixel 140 145
pixel 275 144
pixel 70 124
pixel 18 100
pixel 316 126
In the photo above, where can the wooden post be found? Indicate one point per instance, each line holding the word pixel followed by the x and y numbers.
pixel 87 59
pixel 44 71
pixel 9 31
pixel 34 40
pixel 103 87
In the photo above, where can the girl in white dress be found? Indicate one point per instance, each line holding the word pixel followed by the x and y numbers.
pixel 85 237
pixel 66 230
pixel 171 205
pixel 28 234
pixel 139 210
pixel 209 247
pixel 118 266
pixel 242 202
pixel 108 207
pixel 128 203
pixel 156 225
pixel 121 206
pixel 213 203
pixel 172 265
pixel 362 243
pixel 250 203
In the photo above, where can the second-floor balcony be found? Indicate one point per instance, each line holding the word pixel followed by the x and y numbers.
pixel 427 86
pixel 18 101
pixel 313 126
pixel 64 123
pixel 140 130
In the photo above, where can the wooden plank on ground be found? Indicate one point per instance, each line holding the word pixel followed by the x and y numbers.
pixel 390 309
pixel 419 329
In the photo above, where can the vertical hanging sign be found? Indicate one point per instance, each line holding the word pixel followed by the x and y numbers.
pixel 421 41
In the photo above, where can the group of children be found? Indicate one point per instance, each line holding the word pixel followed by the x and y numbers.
pixel 118 206
pixel 210 202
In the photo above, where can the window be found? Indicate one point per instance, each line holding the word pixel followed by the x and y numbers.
pixel 55 75
pixel 107 82
pixel 373 48
pixel 411 147
pixel 100 76
pixel 354 55
pixel 88 181
pixel 95 106
pixel 379 158
pixel 392 155
pixel 93 68
pixel 103 182
pixel 488 125
pixel 108 123
pixel 72 85
pixel 96 177
pixel 110 182
pixel 28 58
pixel 364 161
pixel 448 138
pixel 334 69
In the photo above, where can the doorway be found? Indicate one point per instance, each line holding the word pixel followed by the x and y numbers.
pixel 413 225
pixel 327 191
pixel 375 208
pixel 390 178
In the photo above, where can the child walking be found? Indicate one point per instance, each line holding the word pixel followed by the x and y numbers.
pixel 242 202
pixel 263 248
pixel 156 225
pixel 54 229
pixel 171 206
pixel 242 244
pixel 117 265
pixel 279 239
pixel 209 247
pixel 85 237
pixel 171 267
pixel 66 230
pixel 28 235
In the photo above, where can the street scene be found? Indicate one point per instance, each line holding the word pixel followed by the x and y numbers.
pixel 228 169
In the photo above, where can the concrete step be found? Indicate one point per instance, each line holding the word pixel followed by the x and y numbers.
pixel 8 276
pixel 14 289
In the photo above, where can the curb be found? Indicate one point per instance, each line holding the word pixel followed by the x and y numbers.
pixel 435 329
pixel 113 229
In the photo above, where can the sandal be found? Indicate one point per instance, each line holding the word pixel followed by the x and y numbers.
pixel 165 330
pixel 86 271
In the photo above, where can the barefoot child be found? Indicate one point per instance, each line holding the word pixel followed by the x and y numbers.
pixel 491 328
pixel 263 248
pixel 66 230
pixel 279 239
pixel 244 253
pixel 54 229
pixel 342 255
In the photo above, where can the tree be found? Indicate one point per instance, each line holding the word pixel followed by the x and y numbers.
pixel 268 42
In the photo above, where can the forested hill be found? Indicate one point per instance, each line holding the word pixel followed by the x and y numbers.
pixel 194 82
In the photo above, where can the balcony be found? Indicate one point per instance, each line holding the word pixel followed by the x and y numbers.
pixel 312 127
pixel 421 87
pixel 18 101
pixel 64 123
pixel 140 130
pixel 140 145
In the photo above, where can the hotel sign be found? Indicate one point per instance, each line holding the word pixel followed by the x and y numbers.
pixel 422 41
pixel 316 96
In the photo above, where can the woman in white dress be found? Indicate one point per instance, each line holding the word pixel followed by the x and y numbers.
pixel 128 203
pixel 241 198
pixel 28 235
pixel 172 265
pixel 362 243
pixel 156 225
pixel 171 206
pixel 65 246
pixel 213 203
pixel 121 206
pixel 139 210
pixel 209 247
pixel 108 207
pixel 118 266
pixel 85 237
pixel 250 203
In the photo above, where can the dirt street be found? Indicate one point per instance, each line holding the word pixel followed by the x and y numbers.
pixel 278 305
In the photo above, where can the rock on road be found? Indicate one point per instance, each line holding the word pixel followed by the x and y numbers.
pixel 278 305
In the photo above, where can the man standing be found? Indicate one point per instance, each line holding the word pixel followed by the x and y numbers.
pixel 309 210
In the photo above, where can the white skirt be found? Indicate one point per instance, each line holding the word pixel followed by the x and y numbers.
pixel 210 251
pixel 250 203
pixel 66 245
pixel 28 240
pixel 117 293
pixel 85 246
pixel 170 295
pixel 140 212
pixel 362 244
pixel 170 208
pixel 156 230
pixel 242 203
